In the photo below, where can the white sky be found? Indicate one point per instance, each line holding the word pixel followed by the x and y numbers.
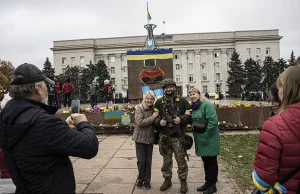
pixel 29 27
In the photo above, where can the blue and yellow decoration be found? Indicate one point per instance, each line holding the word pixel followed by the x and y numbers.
pixel 150 54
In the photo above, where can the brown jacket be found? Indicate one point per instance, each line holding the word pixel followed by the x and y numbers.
pixel 143 130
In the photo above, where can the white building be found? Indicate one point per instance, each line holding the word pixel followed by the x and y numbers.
pixel 200 59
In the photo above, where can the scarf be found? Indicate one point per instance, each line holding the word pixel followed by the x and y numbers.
pixel 195 105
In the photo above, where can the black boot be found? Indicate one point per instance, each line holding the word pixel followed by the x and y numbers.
pixel 184 187
pixel 167 184
pixel 139 184
pixel 211 189
pixel 203 187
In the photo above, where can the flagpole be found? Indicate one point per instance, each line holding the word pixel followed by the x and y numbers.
pixel 163 27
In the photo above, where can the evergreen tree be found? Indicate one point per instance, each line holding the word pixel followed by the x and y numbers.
pixel 282 65
pixel 236 75
pixel 270 72
pixel 48 70
pixel 252 75
pixel 298 61
pixel 292 60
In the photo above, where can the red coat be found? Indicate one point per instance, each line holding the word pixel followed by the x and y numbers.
pixel 68 87
pixel 278 152
pixel 3 170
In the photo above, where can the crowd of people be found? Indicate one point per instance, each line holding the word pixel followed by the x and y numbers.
pixel 29 131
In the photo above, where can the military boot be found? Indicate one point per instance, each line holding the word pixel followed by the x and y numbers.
pixel 184 187
pixel 167 184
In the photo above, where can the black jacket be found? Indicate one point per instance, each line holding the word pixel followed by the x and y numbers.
pixel 40 143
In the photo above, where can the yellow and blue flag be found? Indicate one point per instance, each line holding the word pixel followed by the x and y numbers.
pixel 148 16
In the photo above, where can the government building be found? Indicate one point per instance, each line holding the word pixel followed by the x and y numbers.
pixel 200 60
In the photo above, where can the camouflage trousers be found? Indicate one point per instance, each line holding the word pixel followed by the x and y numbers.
pixel 168 145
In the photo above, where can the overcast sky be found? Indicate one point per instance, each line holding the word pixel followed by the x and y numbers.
pixel 29 27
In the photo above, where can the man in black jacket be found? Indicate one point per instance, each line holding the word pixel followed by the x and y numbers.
pixel 36 143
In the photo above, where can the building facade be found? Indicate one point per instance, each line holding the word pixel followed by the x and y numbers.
pixel 200 60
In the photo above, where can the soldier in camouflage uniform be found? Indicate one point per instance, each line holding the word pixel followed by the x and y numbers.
pixel 171 123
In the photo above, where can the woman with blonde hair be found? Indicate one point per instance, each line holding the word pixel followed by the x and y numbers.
pixel 143 136
pixel 206 138
pixel 276 166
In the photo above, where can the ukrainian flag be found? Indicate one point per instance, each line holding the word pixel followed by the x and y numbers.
pixel 150 54
pixel 148 16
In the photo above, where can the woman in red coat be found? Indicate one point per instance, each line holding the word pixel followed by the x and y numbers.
pixel 278 152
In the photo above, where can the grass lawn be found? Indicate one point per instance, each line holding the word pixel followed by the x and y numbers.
pixel 237 154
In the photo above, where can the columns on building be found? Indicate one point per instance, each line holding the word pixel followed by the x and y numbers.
pixel 118 72
pixel 184 71
pixel 105 59
pixel 197 68
pixel 224 69
pixel 211 71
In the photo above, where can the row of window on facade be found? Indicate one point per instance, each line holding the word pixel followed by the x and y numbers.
pixel 204 77
pixel 258 51
pixel 203 53
pixel 191 66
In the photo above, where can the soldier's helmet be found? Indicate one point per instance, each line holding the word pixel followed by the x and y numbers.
pixel 167 82
pixel 188 140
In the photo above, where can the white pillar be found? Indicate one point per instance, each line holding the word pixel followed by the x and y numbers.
pixel 224 70
pixel 197 69
pixel 118 78
pixel 184 72
pixel 211 71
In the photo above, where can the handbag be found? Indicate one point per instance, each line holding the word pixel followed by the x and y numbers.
pixel 283 180
pixel 199 127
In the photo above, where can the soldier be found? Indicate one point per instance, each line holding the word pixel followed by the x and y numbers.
pixel 172 122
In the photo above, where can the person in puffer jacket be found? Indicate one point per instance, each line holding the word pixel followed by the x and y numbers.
pixel 35 142
pixel 278 152
pixel 3 170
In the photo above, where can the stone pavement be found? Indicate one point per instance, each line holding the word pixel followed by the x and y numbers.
pixel 114 171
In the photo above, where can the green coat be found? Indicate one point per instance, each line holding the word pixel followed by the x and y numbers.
pixel 207 143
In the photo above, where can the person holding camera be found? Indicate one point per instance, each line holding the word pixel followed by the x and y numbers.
pixel 171 123
pixel 206 138
pixel 36 143
pixel 143 136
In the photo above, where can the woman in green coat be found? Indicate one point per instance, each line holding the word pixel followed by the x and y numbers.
pixel 206 138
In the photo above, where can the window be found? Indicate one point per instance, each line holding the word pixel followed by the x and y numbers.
pixel 268 51
pixel 203 65
pixel 218 87
pixel 218 76
pixel 72 60
pixel 112 70
pixel 204 89
pixel 257 52
pixel 81 59
pixel 217 54
pixel 177 66
pixel 191 77
pixel 149 62
pixel 248 51
pixel 204 76
pixel 177 78
pixel 125 69
pixel 112 59
pixel 191 67
pixel 125 81
pixel 112 81
pixel 229 54
pixel 203 53
pixel 176 56
pixel 259 61
pixel 63 60
pixel 217 65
